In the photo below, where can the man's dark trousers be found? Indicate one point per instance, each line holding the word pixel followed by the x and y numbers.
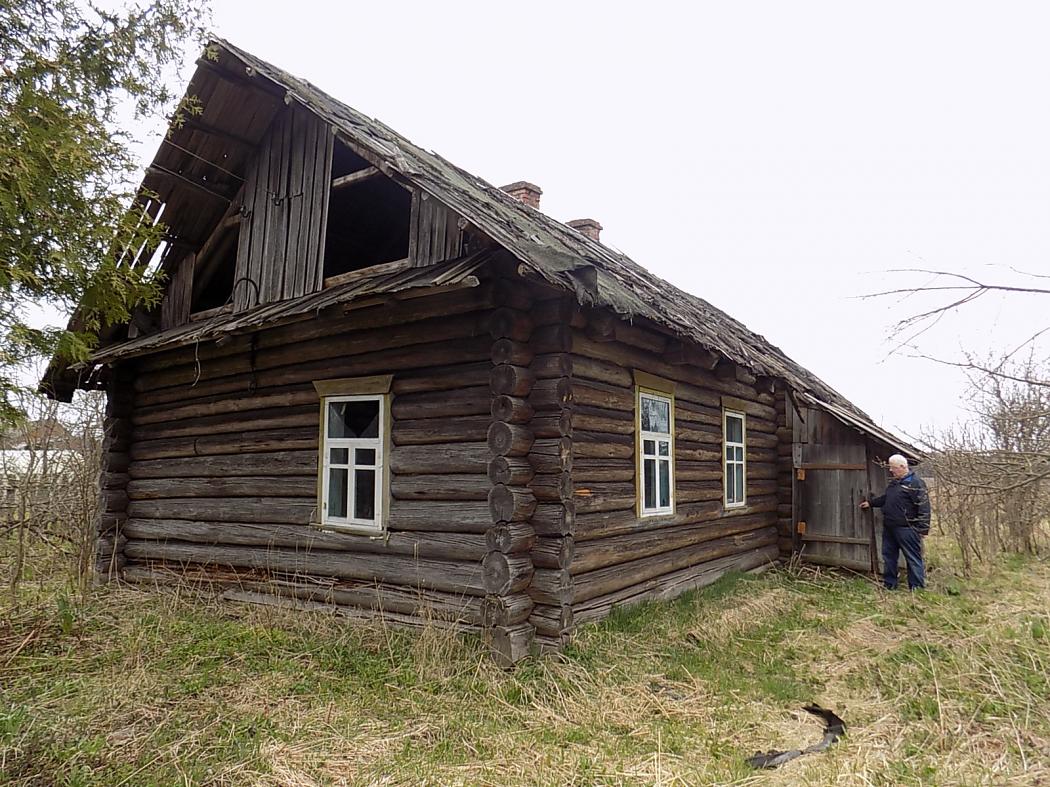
pixel 908 541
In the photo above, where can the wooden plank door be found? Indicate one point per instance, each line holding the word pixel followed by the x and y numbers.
pixel 832 475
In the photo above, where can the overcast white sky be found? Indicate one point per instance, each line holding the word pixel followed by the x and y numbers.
pixel 777 159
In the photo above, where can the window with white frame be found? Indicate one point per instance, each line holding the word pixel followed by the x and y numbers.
pixel 352 472
pixel 656 453
pixel 735 435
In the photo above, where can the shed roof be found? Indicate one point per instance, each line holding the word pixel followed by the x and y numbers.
pixel 241 93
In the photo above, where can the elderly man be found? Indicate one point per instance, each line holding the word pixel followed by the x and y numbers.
pixel 905 520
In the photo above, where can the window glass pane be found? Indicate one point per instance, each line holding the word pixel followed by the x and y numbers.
pixel 337 479
pixel 734 429
pixel 649 446
pixel 656 415
pixel 730 483
pixel 649 484
pixel 738 453
pixel 353 419
pixel 365 456
pixel 364 494
pixel 665 484
pixel 665 448
pixel 339 456
pixel 739 486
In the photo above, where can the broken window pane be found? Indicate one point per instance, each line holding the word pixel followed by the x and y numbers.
pixel 353 419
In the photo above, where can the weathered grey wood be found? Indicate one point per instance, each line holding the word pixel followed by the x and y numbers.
pixel 607 580
pixel 550 488
pixel 671 585
pixel 602 371
pixel 440 487
pixel 510 503
pixel 553 552
pixel 551 394
pixel 602 445
pixel 272 510
pixel 430 431
pixel 448 458
pixel 512 471
pixel 474 400
pixel 442 378
pixel 508 439
pixel 552 365
pixel 273 463
pixel 385 315
pixel 551 455
pixel 175 308
pixel 596 553
pixel 220 487
pixel 230 406
pixel 511 380
pixel 552 424
pixel 604 496
pixel 396 360
pixel 511 352
pixel 448 575
pixel 551 621
pixel 554 519
pixel 224 444
pixel 510 644
pixel 360 176
pixel 447 546
pixel 591 393
pixel 253 421
pixel 443 516
pixel 505 610
pixel 507 323
pixel 510 537
pixel 415 340
pixel 551 586
pixel 506 574
pixel 511 409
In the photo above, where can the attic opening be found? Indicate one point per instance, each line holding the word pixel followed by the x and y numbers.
pixel 368 216
pixel 216 266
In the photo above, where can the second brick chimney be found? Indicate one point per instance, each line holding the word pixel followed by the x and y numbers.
pixel 526 192
pixel 589 227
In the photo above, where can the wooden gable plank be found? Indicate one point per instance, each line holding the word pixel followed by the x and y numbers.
pixel 322 190
pixel 295 262
pixel 175 308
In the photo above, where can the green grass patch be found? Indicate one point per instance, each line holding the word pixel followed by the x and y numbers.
pixel 141 688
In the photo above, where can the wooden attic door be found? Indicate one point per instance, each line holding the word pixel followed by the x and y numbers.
pixel 280 252
pixel 833 473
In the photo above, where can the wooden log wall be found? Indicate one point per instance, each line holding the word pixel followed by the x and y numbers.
pixel 221 456
pixel 110 557
pixel 508 565
pixel 785 474
pixel 596 553
pixel 551 459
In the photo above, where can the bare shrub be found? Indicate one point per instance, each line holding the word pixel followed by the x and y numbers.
pixel 992 476
pixel 49 498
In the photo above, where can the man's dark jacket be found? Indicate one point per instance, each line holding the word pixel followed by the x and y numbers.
pixel 905 504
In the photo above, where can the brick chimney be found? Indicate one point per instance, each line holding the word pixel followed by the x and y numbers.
pixel 589 227
pixel 526 192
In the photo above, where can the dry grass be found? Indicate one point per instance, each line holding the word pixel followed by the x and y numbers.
pixel 130 687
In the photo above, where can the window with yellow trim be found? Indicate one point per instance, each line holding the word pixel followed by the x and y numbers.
pixel 734 432
pixel 655 454
pixel 353 462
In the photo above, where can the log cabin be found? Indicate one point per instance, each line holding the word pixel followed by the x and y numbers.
pixel 380 385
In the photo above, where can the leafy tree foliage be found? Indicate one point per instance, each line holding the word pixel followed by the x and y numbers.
pixel 69 71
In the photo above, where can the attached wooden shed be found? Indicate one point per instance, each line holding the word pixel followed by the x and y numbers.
pixel 380 383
